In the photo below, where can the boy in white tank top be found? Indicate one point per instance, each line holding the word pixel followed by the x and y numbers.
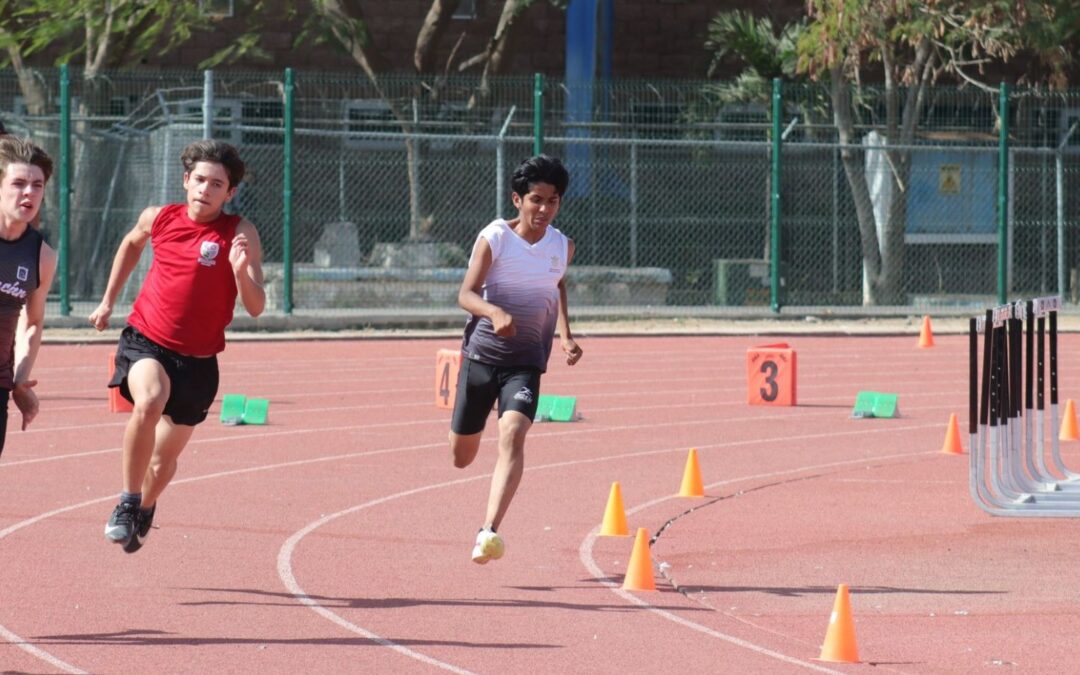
pixel 515 291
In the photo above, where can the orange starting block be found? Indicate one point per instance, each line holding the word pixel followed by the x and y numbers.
pixel 770 375
pixel 447 365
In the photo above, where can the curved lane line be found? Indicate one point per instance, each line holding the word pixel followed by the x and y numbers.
pixel 16 640
pixel 586 556
pixel 285 571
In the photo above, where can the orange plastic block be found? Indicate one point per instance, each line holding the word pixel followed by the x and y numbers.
pixel 447 365
pixel 117 403
pixel 770 375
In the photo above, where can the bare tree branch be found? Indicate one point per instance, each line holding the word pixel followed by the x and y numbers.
pixel 431 31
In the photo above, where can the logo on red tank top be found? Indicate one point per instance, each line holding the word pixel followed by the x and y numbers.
pixel 208 252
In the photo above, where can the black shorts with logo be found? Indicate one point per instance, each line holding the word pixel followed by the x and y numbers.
pixel 193 380
pixel 481 384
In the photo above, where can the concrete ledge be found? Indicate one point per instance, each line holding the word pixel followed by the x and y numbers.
pixel 408 287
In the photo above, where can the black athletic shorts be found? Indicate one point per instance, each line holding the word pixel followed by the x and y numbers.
pixel 481 384
pixel 193 381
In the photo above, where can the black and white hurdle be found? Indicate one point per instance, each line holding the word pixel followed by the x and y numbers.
pixel 1013 472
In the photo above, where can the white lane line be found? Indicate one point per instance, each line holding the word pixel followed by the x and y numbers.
pixel 288 578
pixel 14 639
pixel 585 553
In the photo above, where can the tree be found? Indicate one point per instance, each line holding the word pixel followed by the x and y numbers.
pixel 97 35
pixel 906 45
pixel 344 21
pixel 765 52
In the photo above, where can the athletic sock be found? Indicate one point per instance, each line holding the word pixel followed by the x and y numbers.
pixel 131 498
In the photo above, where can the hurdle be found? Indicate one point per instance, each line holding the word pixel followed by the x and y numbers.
pixel 1009 473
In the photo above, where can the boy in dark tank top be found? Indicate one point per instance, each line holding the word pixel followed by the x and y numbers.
pixel 27 266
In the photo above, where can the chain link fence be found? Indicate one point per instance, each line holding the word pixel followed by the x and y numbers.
pixel 670 202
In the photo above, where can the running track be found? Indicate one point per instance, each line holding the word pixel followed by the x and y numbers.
pixel 337 538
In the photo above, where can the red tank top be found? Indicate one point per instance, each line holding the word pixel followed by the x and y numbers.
pixel 188 296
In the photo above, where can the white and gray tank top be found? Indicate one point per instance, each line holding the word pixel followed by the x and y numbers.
pixel 523 280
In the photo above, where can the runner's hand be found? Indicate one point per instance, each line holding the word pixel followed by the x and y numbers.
pixel 503 324
pixel 26 401
pixel 572 350
pixel 238 254
pixel 100 317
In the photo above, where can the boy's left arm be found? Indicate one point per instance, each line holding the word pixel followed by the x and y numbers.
pixel 569 346
pixel 28 337
pixel 245 256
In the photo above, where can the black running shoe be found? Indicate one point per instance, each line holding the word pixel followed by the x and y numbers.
pixel 123 523
pixel 145 520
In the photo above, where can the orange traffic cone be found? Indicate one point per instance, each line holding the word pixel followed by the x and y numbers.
pixel 691 480
pixel 926 336
pixel 839 644
pixel 614 516
pixel 639 572
pixel 1068 424
pixel 952 444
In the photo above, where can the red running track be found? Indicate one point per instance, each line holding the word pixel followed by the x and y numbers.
pixel 337 538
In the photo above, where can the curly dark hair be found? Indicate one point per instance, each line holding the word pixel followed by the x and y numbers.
pixel 540 169
pixel 217 152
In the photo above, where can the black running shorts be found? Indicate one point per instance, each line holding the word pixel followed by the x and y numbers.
pixel 481 384
pixel 193 381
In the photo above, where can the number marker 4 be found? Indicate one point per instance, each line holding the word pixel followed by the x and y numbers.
pixel 447 365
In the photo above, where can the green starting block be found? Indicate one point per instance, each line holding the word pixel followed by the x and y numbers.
pixel 232 409
pixel 556 408
pixel 875 404
pixel 238 409
pixel 256 411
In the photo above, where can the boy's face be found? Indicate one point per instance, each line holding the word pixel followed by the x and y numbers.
pixel 207 187
pixel 539 206
pixel 21 190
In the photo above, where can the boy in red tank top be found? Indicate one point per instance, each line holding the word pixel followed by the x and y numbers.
pixel 166 361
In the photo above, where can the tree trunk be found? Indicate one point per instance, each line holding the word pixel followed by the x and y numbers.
pixel 496 49
pixel 855 171
pixel 32 89
pixel 435 23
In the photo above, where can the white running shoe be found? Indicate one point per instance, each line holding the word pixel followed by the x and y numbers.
pixel 489 546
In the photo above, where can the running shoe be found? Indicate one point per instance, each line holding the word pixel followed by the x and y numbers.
pixel 146 519
pixel 489 546
pixel 123 523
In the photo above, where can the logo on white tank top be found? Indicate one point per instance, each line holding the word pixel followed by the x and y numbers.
pixel 208 251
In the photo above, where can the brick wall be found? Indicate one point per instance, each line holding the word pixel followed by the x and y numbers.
pixel 653 38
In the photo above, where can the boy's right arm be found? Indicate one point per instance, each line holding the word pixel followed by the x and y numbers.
pixel 469 296
pixel 127 257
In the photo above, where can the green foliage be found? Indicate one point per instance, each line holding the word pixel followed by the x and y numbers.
pixel 764 51
pixel 754 42
pixel 964 36
pixel 126 28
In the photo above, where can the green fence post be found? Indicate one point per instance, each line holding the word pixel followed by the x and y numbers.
pixel 65 192
pixel 1003 195
pixel 538 114
pixel 287 254
pixel 774 198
